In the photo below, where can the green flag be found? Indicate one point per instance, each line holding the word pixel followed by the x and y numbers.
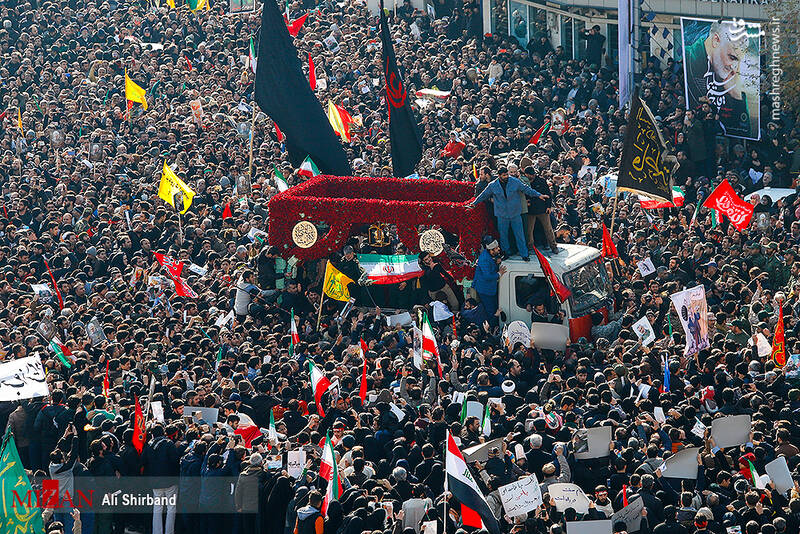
pixel 464 410
pixel 280 181
pixel 20 515
pixel 60 353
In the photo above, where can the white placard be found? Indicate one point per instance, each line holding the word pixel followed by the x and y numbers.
pixel 23 379
pixel 518 332
pixel 569 496
pixel 428 527
pixel 401 319
pixel 475 408
pixel 223 320
pixel 762 345
pixel 780 475
pixel 400 414
pixel 440 311
pixel 480 452
pixel 631 515
pixel 682 464
pixel 209 415
pixel 658 414
pixel 158 411
pixel 699 429
pixel 646 267
pixel 644 331
pixel 521 497
pixel 295 463
pixel 593 443
pixel 202 271
pixel 731 430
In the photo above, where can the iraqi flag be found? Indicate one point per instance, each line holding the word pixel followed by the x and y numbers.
pixel 652 203
pixel 319 385
pixel 385 269
pixel 462 485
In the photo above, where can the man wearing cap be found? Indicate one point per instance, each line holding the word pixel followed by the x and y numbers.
pixel 487 273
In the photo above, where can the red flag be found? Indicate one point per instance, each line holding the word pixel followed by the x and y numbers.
pixel 188 63
pixel 3 115
pixel 226 213
pixel 624 495
pixel 560 289
pixel 106 383
pixel 778 346
pixel 725 200
pixel 183 289
pixel 312 73
pixel 174 267
pixel 279 133
pixel 362 390
pixel 55 286
pixel 295 25
pixel 609 248
pixel 139 429
pixel 535 139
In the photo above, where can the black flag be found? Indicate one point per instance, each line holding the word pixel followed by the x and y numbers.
pixel 282 91
pixel 646 168
pixel 403 131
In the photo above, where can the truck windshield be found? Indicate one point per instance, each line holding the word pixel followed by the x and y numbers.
pixel 590 287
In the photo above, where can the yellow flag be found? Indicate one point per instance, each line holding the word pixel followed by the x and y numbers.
pixel 133 92
pixel 19 122
pixel 337 123
pixel 201 4
pixel 171 3
pixel 335 285
pixel 171 185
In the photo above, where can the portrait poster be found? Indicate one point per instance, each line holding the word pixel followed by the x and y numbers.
pixel 721 67
pixel 693 313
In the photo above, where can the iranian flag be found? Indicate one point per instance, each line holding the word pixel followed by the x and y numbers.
pixel 430 349
pixel 308 168
pixel 328 470
pixel 280 181
pixel 319 385
pixel 651 203
pixel 486 424
pixel 475 511
pixel 295 336
pixel 251 58
pixel 384 269
pixel 272 432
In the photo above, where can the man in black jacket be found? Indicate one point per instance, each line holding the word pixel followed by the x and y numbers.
pixel 539 210
pixel 163 463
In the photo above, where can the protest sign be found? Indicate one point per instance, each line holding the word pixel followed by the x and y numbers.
pixel 295 463
pixel 23 379
pixel 693 313
pixel 731 430
pixel 480 453
pixel 399 319
pixel 47 329
pixel 593 442
pixel 631 515
pixel 208 415
pixel 518 332
pixel 474 408
pixel 568 495
pixel 521 497
pixel 644 331
pixel 646 267
pixel 682 464
pixel 780 475
pixel 43 293
pixel 158 410
pixel 94 330
pixel 598 526
pixel 395 409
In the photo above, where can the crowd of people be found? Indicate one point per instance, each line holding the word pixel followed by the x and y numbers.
pixel 80 173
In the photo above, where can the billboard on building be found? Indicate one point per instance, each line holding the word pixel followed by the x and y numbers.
pixel 721 64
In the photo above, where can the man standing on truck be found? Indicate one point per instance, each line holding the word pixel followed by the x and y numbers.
pixel 508 209
pixel 539 210
pixel 487 274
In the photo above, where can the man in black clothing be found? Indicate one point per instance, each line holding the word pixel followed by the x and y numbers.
pixel 539 210
pixel 594 45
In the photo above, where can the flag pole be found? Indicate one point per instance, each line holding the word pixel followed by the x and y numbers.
pixel 180 229
pixel 321 300
pixel 446 489
pixel 250 167
pixel 614 213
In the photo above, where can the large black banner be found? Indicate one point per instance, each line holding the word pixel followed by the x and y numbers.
pixel 403 132
pixel 646 168
pixel 282 91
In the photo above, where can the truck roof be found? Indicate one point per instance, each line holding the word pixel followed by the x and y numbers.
pixel 569 257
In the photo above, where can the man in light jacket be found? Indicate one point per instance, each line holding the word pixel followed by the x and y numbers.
pixel 506 191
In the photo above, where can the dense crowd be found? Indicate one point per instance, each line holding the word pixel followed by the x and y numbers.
pixel 79 184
